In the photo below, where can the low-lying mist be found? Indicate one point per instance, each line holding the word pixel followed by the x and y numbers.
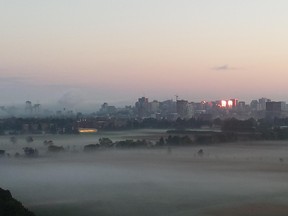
pixel 161 181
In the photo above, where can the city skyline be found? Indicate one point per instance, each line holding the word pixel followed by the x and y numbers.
pixel 116 51
pixel 70 105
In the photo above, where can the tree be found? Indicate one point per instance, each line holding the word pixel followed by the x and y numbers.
pixel 54 148
pixel 91 147
pixel 30 152
pixel 161 141
pixel 105 142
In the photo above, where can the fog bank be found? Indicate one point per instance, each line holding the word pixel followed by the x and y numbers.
pixel 151 181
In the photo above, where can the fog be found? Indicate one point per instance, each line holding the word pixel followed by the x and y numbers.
pixel 149 181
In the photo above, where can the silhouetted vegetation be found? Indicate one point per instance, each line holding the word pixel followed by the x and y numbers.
pixel 2 153
pixel 30 152
pixel 178 140
pixel 55 149
pixel 91 147
pixel 70 125
pixel 131 144
pixel 48 142
pixel 105 142
pixel 229 130
pixel 10 206
pixel 236 125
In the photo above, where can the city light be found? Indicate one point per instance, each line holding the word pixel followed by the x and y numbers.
pixel 87 130
pixel 230 103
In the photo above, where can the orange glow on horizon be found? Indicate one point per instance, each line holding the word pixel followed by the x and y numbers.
pixel 87 130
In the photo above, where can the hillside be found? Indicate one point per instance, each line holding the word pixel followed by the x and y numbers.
pixel 10 206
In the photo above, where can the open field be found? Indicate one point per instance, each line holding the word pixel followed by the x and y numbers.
pixel 249 178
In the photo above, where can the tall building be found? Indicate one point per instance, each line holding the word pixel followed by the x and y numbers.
pixel 275 109
pixel 262 103
pixel 254 105
pixel 154 107
pixel 168 109
pixel 184 109
pixel 28 107
pixel 241 105
pixel 181 107
pixel 234 102
pixel 142 107
pixel 36 108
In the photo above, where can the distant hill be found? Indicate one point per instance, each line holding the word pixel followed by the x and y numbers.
pixel 10 206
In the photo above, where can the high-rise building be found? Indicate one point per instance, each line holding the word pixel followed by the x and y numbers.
pixel 234 102
pixel 184 109
pixel 154 107
pixel 241 105
pixel 254 105
pixel 28 107
pixel 181 107
pixel 275 109
pixel 142 107
pixel 262 103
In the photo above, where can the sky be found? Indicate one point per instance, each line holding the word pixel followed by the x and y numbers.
pixel 95 51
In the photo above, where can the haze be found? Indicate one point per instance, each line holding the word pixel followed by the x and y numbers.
pixel 148 181
pixel 119 50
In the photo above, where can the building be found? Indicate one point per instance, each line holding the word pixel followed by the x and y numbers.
pixel 184 109
pixel 262 103
pixel 168 110
pixel 154 107
pixel 28 107
pixel 142 107
pixel 275 109
pixel 241 105
pixel 254 105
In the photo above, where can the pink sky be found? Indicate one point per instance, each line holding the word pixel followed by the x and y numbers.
pixel 121 50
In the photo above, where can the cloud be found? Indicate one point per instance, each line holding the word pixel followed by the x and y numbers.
pixel 224 67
